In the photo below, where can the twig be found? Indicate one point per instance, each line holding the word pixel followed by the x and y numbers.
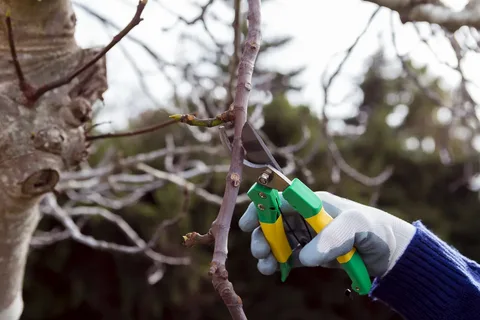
pixel 348 52
pixel 140 246
pixel 174 178
pixel 194 238
pixel 33 94
pixel 332 146
pixel 433 12
pixel 93 126
pixel 67 177
pixel 236 52
pixel 25 87
pixel 132 133
pixel 190 119
pixel 199 17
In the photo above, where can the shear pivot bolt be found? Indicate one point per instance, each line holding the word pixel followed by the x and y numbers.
pixel 261 207
pixel 262 195
pixel 263 179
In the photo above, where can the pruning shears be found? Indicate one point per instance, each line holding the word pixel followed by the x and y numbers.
pixel 260 163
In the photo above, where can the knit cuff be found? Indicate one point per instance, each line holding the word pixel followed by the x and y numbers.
pixel 427 281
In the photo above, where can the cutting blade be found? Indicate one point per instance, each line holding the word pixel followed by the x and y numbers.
pixel 256 150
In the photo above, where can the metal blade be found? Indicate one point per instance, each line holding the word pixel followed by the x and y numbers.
pixel 257 151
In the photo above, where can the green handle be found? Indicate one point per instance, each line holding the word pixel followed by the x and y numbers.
pixel 307 203
pixel 358 273
pixel 267 202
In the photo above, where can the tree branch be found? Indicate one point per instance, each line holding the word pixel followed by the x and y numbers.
pixel 236 52
pixel 190 119
pixel 132 133
pixel 140 247
pixel 434 12
pixel 24 85
pixel 33 94
pixel 221 225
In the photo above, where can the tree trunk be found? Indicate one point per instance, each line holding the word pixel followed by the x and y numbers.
pixel 38 139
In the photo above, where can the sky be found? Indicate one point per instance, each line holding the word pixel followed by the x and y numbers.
pixel 321 29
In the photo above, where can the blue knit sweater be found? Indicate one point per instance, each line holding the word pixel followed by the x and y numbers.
pixel 431 280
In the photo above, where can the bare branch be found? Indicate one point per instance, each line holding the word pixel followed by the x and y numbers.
pixel 140 247
pixel 68 177
pixel 25 87
pixel 181 182
pixel 33 94
pixel 227 116
pixel 236 52
pixel 332 147
pixel 435 12
pixel 194 238
pixel 134 132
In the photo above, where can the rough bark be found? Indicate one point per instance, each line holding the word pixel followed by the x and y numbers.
pixel 39 140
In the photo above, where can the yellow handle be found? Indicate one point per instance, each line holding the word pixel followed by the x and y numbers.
pixel 320 221
pixel 277 239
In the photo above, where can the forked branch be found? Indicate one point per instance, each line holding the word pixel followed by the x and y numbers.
pixel 31 93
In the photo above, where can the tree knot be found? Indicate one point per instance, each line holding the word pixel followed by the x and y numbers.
pixel 40 182
pixel 49 140
pixel 77 112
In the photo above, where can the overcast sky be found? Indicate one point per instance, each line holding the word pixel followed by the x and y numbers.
pixel 320 30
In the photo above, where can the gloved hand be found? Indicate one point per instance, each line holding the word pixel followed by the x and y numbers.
pixel 379 237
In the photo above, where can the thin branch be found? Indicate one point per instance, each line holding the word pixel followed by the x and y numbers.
pixel 25 87
pixel 236 52
pixel 194 238
pixel 348 52
pixel 174 178
pixel 33 94
pixel 199 17
pixel 332 147
pixel 140 246
pixel 132 133
pixel 190 119
pixel 67 179
pixel 434 13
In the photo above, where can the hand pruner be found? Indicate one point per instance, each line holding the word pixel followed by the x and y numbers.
pixel 265 195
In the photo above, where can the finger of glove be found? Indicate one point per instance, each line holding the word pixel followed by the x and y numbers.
pixel 258 245
pixel 335 240
pixel 249 220
pixel 267 266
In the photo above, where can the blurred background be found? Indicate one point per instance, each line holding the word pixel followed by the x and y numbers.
pixel 349 99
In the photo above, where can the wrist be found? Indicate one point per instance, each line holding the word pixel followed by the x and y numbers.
pixel 425 282
pixel 402 235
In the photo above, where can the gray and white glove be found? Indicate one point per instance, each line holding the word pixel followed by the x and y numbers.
pixel 379 237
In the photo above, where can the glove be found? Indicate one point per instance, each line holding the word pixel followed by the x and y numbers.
pixel 379 237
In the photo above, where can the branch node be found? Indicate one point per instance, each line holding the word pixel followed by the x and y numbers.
pixel 193 238
pixel 235 178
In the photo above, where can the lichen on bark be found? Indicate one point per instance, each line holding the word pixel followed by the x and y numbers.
pixel 38 140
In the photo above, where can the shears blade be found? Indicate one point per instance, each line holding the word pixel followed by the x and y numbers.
pixel 256 150
pixel 257 157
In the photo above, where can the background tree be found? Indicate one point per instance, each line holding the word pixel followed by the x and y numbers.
pixel 129 189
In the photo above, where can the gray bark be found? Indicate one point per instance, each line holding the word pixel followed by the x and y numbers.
pixel 37 141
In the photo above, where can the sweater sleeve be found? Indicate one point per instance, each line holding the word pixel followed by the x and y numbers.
pixel 431 280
